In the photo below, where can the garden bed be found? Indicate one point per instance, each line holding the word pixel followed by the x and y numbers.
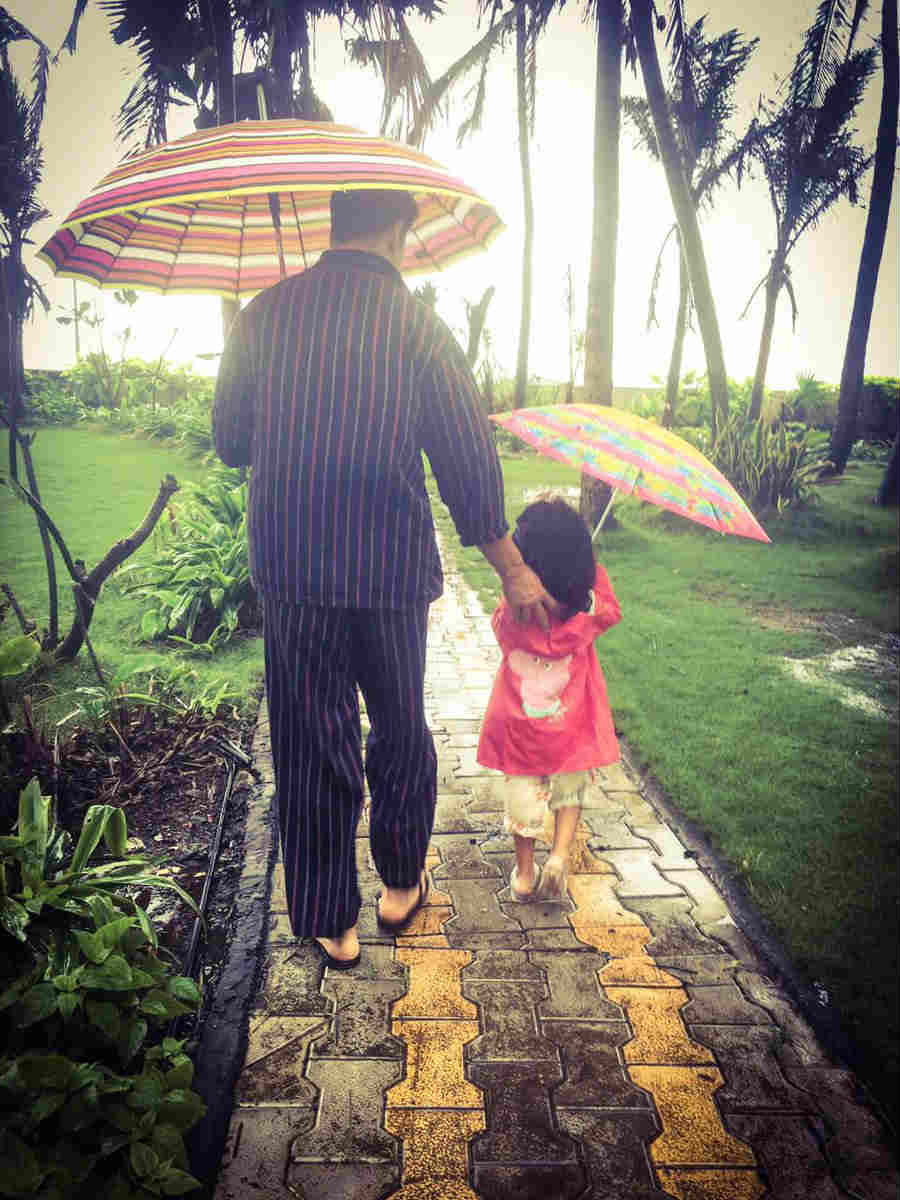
pixel 169 777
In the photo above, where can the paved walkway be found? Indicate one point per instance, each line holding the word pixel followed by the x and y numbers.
pixel 624 1045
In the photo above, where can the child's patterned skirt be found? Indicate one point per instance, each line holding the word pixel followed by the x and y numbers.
pixel 527 799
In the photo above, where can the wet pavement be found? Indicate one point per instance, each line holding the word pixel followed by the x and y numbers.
pixel 626 1044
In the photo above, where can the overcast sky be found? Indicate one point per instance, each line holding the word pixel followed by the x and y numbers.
pixel 80 147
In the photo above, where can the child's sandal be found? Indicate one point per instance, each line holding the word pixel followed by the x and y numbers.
pixel 523 897
pixel 553 879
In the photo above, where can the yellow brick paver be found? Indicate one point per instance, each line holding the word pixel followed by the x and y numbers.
pixel 434 984
pixel 659 1032
pixel 434 1065
pixel 692 1131
pixel 684 1184
pixel 435 1142
pixel 639 969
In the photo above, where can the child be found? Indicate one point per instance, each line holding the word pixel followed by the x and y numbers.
pixel 548 722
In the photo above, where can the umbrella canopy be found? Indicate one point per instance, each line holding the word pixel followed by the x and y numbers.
pixel 230 210
pixel 636 456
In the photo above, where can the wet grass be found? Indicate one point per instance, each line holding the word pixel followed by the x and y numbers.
pixel 796 790
pixel 97 487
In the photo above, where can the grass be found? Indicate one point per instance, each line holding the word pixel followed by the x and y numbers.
pixel 797 791
pixel 98 486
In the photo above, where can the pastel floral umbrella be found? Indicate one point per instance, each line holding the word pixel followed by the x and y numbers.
pixel 636 457
pixel 233 209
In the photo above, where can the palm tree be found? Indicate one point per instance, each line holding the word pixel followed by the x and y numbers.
pixel 853 369
pixel 679 190
pixel 806 151
pixel 703 76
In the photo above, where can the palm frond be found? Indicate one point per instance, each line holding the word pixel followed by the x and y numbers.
pixel 683 43
pixel 71 39
pixel 477 56
pixel 821 161
pixel 388 45
pixel 827 43
pixel 12 30
pixel 39 78
pixel 636 111
pixel 789 288
pixel 657 271
pixel 753 294
pixel 169 40
pixel 717 170
pixel 860 10
pixel 472 123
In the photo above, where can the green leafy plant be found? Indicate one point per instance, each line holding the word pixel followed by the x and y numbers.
pixel 199 588
pixel 17 656
pixel 93 1098
pixel 771 468
pixel 173 688
pixel 50 401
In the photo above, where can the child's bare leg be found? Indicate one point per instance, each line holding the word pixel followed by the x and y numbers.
pixel 566 822
pixel 525 874
pixel 553 878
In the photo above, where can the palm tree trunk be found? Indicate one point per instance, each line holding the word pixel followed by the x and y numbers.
pixel 519 399
pixel 773 287
pixel 685 213
pixel 674 377
pixel 853 370
pixel 888 494
pixel 598 332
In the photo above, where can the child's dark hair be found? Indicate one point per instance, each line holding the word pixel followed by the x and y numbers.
pixel 555 542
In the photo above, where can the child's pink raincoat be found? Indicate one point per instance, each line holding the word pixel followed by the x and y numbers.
pixel 548 711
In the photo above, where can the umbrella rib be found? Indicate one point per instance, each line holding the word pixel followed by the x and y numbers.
pixel 299 230
pixel 451 212
pixel 437 265
pixel 191 210
pixel 237 284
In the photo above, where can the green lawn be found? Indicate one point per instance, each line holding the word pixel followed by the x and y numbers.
pixel 98 486
pixel 795 789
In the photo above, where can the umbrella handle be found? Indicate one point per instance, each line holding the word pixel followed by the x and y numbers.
pixel 609 505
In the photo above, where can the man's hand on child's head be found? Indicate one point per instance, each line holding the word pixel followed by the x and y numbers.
pixel 527 596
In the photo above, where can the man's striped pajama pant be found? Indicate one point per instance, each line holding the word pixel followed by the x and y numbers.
pixel 315 657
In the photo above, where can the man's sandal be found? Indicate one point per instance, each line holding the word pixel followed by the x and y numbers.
pixel 401 924
pixel 336 964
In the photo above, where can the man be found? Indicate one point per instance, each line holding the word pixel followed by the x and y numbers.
pixel 332 384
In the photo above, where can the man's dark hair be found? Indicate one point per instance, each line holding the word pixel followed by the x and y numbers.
pixel 369 212
pixel 555 542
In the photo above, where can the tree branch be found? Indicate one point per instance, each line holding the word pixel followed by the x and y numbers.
pixel 90 585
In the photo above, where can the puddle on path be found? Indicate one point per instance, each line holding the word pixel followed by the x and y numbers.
pixel 864 677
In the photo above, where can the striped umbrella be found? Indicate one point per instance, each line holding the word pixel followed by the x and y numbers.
pixel 232 209
pixel 637 457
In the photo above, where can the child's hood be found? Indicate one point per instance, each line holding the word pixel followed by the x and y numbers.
pixel 563 637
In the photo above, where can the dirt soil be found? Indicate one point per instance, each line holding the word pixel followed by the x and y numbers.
pixel 169 776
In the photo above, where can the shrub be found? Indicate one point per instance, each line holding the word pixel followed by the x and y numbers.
pixel 199 589
pixel 51 401
pixel 769 468
pixel 94 1100
pixel 813 402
